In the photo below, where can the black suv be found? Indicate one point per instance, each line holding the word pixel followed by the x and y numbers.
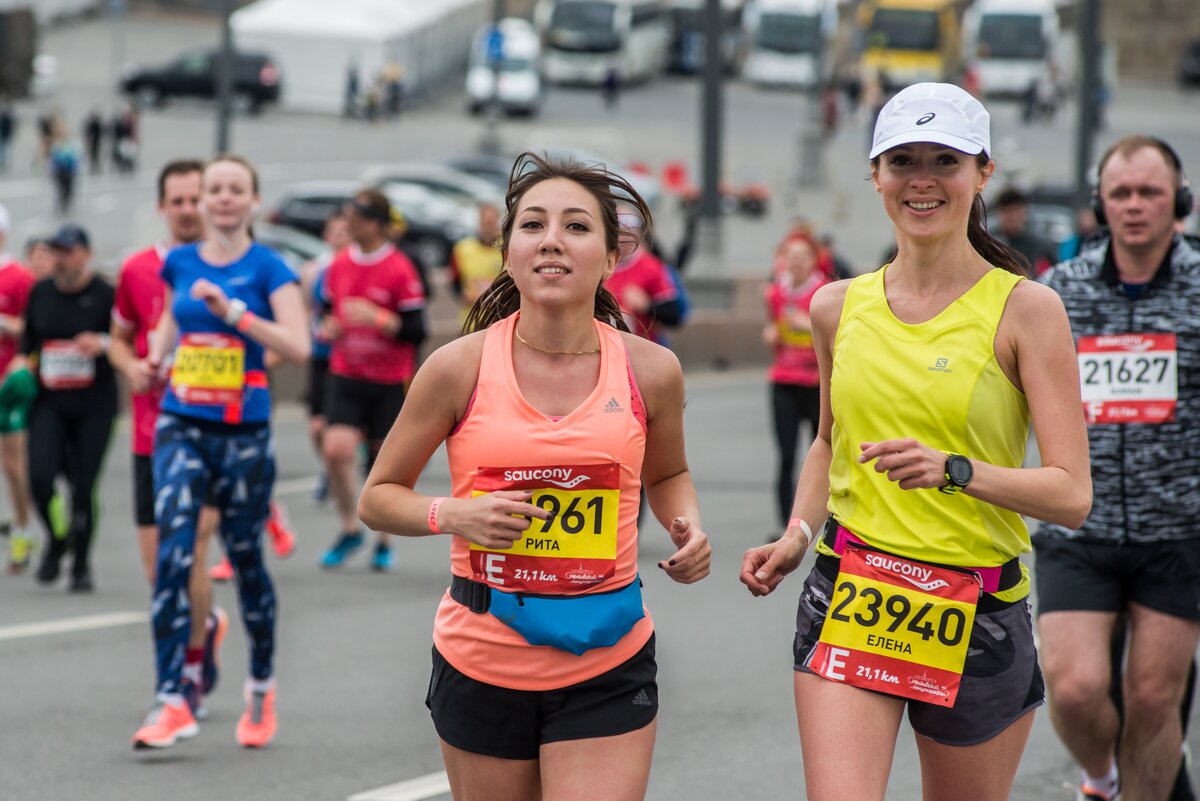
pixel 194 74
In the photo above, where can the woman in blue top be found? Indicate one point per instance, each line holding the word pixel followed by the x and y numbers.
pixel 227 300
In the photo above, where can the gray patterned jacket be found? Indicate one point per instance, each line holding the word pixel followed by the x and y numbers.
pixel 1146 478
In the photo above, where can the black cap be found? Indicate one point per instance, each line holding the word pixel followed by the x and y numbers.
pixel 70 236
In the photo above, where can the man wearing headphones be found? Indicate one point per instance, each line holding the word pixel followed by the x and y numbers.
pixel 1131 302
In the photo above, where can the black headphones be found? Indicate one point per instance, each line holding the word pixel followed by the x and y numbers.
pixel 1183 193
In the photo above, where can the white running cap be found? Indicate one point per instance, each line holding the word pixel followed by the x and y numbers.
pixel 941 113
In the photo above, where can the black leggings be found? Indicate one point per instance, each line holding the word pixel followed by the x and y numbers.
pixel 791 403
pixel 71 443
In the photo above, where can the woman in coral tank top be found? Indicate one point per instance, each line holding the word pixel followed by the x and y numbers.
pixel 554 417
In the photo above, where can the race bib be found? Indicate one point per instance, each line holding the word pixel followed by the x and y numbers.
pixel 62 365
pixel 897 626
pixel 793 337
pixel 574 548
pixel 209 369
pixel 1129 378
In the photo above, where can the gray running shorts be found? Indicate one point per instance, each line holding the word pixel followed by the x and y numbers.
pixel 1001 679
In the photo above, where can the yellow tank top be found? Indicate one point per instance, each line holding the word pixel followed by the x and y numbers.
pixel 478 265
pixel 940 383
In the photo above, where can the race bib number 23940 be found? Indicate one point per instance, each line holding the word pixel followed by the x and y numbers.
pixel 897 626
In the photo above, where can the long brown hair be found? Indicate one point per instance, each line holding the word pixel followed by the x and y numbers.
pixel 989 247
pixel 502 298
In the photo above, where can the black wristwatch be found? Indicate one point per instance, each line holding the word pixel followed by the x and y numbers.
pixel 959 473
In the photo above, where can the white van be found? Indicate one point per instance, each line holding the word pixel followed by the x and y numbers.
pixel 1013 44
pixel 786 41
pixel 519 66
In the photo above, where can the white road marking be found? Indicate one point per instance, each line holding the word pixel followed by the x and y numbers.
pixel 71 624
pixel 418 789
pixel 295 486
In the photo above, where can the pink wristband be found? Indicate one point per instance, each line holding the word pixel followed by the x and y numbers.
pixel 244 323
pixel 433 521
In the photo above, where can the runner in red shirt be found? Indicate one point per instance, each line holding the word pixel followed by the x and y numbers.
pixel 643 287
pixel 377 320
pixel 16 394
pixel 139 302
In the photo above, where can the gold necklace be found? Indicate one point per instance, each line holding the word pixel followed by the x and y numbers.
pixel 555 352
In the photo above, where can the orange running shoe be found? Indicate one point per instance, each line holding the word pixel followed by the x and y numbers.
pixel 221 571
pixel 283 539
pixel 166 724
pixel 256 729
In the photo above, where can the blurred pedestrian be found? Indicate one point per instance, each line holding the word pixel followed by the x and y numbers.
pixel 47 122
pixel 795 380
pixel 64 166
pixel 830 112
pixel 71 421
pixel 642 285
pixel 476 260
pixel 610 88
pixel 1012 211
pixel 350 97
pixel 1086 229
pixel 16 395
pixel 8 125
pixel 393 88
pixel 125 139
pixel 93 136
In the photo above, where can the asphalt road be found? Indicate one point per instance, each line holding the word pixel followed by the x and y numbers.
pixel 353 659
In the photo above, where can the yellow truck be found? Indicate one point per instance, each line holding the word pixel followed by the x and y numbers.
pixel 908 41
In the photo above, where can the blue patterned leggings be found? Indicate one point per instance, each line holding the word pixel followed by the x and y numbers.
pixel 240 469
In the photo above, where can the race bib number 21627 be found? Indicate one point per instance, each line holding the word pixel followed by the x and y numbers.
pixel 1128 378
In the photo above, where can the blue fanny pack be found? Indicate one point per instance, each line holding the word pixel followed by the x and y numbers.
pixel 573 623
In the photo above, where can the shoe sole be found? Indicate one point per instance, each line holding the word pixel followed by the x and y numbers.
pixel 186 733
pixel 263 744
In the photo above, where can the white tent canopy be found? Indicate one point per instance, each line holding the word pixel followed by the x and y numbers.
pixel 317 42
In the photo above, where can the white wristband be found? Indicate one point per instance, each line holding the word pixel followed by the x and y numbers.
pixel 803 526
pixel 235 313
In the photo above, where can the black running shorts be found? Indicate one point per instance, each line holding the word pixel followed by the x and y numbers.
pixel 1001 678
pixel 318 372
pixel 365 405
pixel 1089 576
pixel 143 491
pixel 513 724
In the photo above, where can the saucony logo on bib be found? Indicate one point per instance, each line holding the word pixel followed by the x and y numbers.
pixel 558 476
pixel 914 574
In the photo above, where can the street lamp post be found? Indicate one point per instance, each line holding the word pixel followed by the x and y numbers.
pixel 224 75
pixel 1089 89
pixel 490 143
pixel 708 280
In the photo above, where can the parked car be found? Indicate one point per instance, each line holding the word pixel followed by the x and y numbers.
pixel 295 246
pixel 439 178
pixel 492 168
pixel 256 80
pixel 434 222
pixel 1189 64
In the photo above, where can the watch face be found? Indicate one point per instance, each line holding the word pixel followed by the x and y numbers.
pixel 960 470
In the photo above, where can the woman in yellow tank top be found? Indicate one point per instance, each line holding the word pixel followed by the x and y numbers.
pixel 932 369
pixel 554 416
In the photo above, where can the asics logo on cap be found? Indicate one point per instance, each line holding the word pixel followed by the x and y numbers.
pixel 926 118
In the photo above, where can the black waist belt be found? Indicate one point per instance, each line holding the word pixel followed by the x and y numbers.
pixel 475 595
pixel 1010 571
